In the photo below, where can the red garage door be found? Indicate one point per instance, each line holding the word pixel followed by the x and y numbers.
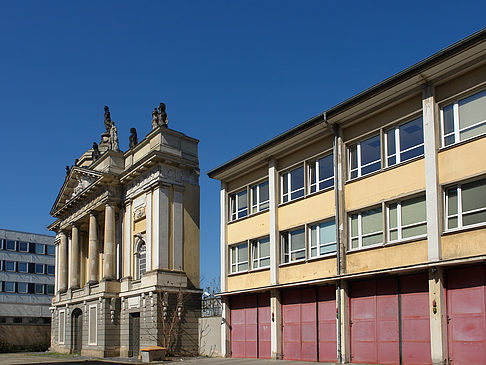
pixel 326 305
pixel 466 315
pixel 250 326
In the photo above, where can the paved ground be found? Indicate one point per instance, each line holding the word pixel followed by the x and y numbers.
pixel 46 358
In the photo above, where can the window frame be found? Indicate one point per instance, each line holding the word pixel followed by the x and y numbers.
pixel 318 244
pixel 53 247
pixel 286 175
pixel 26 267
pixel 237 263
pixel 43 248
pixel 53 270
pixel 256 243
pixel 95 307
pixel 5 286
pixel 398 151
pixel 233 202
pixel 314 163
pixel 286 239
pixel 20 244
pixel 26 288
pixel 399 228
pixel 39 265
pixel 257 208
pixel 62 326
pixel 359 166
pixel 39 285
pixel 7 241
pixel 10 262
pixel 360 235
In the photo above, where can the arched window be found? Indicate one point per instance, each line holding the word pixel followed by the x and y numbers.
pixel 140 263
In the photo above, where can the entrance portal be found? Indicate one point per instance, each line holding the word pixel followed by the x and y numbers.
pixel 77 330
pixel 134 330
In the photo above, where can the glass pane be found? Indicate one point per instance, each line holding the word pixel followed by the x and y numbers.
pixel 264 247
pixel 371 168
pixel 354 225
pixel 264 191
pixel 371 240
pixel 392 160
pixel 451 201
pixel 474 131
pixel 392 218
pixel 254 250
pixel 9 286
pixel 449 140
pixel 39 248
pixel 24 246
pixel 414 231
pixel 233 255
pixel 326 169
pixel 326 184
pixel 327 232
pixel 242 200
pixel 474 195
pixel 265 262
pixel 297 178
pixel 474 218
pixel 285 183
pixel 448 113
pixel 413 211
pixel 39 288
pixel 242 252
pixel 472 109
pixel 243 267
pixel 353 161
pixel 22 266
pixel 354 243
pixel 391 148
pixel 10 245
pixel 313 241
pixel 370 150
pixel 9 266
pixel 254 196
pixel 328 249
pixel 452 223
pixel 414 152
pixel 312 173
pixel 298 255
pixel 297 194
pixel 264 206
pixel 314 252
pixel 22 287
pixel 393 235
pixel 372 221
pixel 51 250
pixel 411 134
pixel 297 239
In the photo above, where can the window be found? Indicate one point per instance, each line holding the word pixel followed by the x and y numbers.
pixel 9 265
pixel 465 204
pixel 51 250
pixel 22 288
pixel 406 219
pixel 140 260
pixel 321 173
pixel 239 258
pixel 260 253
pixel 259 197
pixel 404 142
pixel 22 267
pixel 23 246
pixel 62 314
pixel 39 248
pixel 292 184
pixel 9 287
pixel 39 289
pixel 293 245
pixel 366 228
pixel 10 245
pixel 365 157
pixel 238 205
pixel 92 325
pixel 50 289
pixel 322 238
pixel 39 268
pixel 464 119
pixel 50 270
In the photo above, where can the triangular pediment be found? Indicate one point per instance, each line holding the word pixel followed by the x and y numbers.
pixel 77 181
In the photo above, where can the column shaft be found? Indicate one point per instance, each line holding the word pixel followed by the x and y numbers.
pixel 109 248
pixel 63 264
pixel 438 320
pixel 274 238
pixel 127 244
pixel 160 227
pixel 93 256
pixel 276 324
pixel 75 249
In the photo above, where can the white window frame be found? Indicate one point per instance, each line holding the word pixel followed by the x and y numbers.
pixel 43 289
pixel 255 244
pixel 287 175
pixel 5 287
pixel 237 263
pixel 62 314
pixel 288 239
pixel 8 249
pixel 314 164
pixel 27 243
pixel 26 269
pixel 399 228
pixel 460 213
pixel 360 235
pixel 319 245
pixel 90 342
pixel 256 188
pixel 359 166
pixel 14 266
pixel 398 151
pixel 26 288
pixel 43 269
pixel 233 202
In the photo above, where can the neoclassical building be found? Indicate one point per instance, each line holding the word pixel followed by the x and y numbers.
pixel 127 245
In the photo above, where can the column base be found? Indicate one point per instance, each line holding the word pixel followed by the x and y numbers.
pixel 92 282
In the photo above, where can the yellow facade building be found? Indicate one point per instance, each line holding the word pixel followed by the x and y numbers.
pixel 360 234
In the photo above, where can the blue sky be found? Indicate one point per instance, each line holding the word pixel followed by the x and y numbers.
pixel 232 73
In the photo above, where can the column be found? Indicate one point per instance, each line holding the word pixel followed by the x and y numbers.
pixel 148 231
pixel 178 228
pixel 438 316
pixel 160 227
pixel 56 263
pixel 276 324
pixel 344 322
pixel 225 327
pixel 224 246
pixel 274 238
pixel 109 250
pixel 93 254
pixel 127 242
pixel 63 264
pixel 75 250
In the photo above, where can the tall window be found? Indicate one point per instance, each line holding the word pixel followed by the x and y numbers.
pixel 292 184
pixel 366 228
pixel 140 260
pixel 260 253
pixel 293 245
pixel 464 119
pixel 404 142
pixel 22 288
pixel 23 246
pixel 466 204
pixel 406 219
pixel 238 205
pixel 322 238
pixel 259 197
pixel 92 325
pixel 365 157
pixel 239 257
pixel 61 315
pixel 321 173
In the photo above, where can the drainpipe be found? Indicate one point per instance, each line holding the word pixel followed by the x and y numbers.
pixel 335 131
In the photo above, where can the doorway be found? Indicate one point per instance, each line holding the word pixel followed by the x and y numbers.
pixel 77 330
pixel 134 337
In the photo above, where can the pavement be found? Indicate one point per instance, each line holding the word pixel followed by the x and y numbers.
pixel 59 359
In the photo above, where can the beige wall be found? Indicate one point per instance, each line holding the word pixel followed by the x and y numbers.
pixel 461 83
pixel 252 227
pixel 191 233
pixel 261 173
pixel 464 244
pixel 315 148
pixel 315 269
pixel 249 280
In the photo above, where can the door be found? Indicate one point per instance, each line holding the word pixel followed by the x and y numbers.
pixel 244 326
pixel 134 329
pixel 326 313
pixel 466 315
pixel 264 327
pixel 77 330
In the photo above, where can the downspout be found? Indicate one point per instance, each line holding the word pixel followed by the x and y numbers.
pixel 335 131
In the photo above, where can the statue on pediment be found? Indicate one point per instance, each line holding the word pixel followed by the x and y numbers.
pixel 108 121
pixel 163 120
pixel 155 118
pixel 82 182
pixel 114 138
pixel 96 151
pixel 133 140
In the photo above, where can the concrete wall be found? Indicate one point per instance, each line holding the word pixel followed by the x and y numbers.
pixel 25 334
pixel 210 336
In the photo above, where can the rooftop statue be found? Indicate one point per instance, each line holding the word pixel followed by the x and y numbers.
pixel 96 151
pixel 108 121
pixel 155 118
pixel 162 115
pixel 133 138
pixel 114 137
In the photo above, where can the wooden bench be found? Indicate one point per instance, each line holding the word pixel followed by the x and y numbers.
pixel 153 353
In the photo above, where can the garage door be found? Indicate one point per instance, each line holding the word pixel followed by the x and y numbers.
pixel 326 305
pixel 250 326
pixel 466 315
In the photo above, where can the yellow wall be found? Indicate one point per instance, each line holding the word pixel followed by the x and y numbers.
pixel 315 269
pixel 251 227
pixel 461 83
pixel 309 151
pixel 191 233
pixel 464 244
pixel 389 184
pixel 405 254
pixel 250 177
pixel 462 161
pixel 255 279
pixel 310 209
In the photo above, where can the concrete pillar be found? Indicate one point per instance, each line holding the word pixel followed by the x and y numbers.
pixel 148 231
pixel 63 264
pixel 273 190
pixel 75 261
pixel 276 324
pixel 56 263
pixel 127 241
pixel 344 322
pixel 109 248
pixel 93 254
pixel 225 328
pixel 160 227
pixel 224 247
pixel 178 228
pixel 438 316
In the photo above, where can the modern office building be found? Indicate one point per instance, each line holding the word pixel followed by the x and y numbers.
pixel 27 287
pixel 127 244
pixel 360 234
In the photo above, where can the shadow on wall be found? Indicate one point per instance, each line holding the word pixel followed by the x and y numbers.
pixel 210 336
